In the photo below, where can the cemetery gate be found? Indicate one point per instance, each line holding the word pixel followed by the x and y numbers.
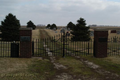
pixel 61 45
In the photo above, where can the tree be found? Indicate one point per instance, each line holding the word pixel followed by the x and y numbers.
pixel 48 26
pixel 10 28
pixel 30 24
pixel 53 26
pixel 80 32
pixel 70 25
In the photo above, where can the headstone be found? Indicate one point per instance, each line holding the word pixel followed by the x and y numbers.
pixel 68 29
pixel 65 28
pixel 54 29
pixel 92 33
pixel 118 32
pixel 62 30
pixel 67 34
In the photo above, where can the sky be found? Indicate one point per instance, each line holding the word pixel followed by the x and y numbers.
pixel 61 12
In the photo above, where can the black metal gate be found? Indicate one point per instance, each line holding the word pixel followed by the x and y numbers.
pixel 14 49
pixel 61 45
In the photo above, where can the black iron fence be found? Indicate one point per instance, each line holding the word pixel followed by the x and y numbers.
pixel 9 49
pixel 59 46
pixel 113 46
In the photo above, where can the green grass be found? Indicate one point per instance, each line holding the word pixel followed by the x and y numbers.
pixel 106 63
pixel 76 67
pixel 26 69
pixel 43 69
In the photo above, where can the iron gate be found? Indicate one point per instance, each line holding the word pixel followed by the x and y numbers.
pixel 61 45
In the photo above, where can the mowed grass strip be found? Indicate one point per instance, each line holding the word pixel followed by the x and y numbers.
pixel 76 67
pixel 36 34
pixel 25 69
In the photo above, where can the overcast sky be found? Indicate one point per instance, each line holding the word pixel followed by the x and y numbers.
pixel 60 12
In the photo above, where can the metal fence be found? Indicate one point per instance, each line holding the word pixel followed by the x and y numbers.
pixel 113 46
pixel 59 46
pixel 9 49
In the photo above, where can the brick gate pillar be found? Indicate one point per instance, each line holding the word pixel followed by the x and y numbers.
pixel 100 43
pixel 25 42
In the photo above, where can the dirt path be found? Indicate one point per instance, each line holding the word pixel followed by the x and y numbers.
pixel 43 34
pixel 61 75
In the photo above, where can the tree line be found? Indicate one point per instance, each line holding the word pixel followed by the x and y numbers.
pixel 10 29
pixel 53 26
pixel 79 31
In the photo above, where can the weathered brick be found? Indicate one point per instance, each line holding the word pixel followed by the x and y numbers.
pixel 26 47
pixel 100 48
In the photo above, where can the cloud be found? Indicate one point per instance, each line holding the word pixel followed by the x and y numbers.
pixel 63 11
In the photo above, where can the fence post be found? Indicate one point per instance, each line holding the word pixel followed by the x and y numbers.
pixel 33 48
pixel 100 43
pixel 88 48
pixel 63 44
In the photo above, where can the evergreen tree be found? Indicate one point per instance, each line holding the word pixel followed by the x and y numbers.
pixel 48 26
pixel 53 26
pixel 10 28
pixel 70 25
pixel 30 24
pixel 80 32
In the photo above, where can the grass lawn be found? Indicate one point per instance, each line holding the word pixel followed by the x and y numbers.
pixel 110 63
pixel 76 67
pixel 25 69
